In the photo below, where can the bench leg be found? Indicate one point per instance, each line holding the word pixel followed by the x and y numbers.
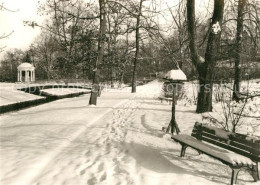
pixel 234 175
pixel 255 173
pixel 183 149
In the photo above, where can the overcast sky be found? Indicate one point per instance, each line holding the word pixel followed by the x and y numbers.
pixel 27 10
pixel 13 21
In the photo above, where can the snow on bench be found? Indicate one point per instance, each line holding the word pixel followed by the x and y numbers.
pixel 235 150
pixel 216 152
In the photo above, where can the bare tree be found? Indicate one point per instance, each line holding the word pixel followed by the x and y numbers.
pixel 67 22
pixel 205 67
pixel 101 41
pixel 9 63
pixel 45 51
pixel 138 12
pixel 116 19
pixel 180 23
pixel 238 50
pixel 5 35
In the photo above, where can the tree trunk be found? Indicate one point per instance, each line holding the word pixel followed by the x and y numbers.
pixel 102 31
pixel 238 50
pixel 204 102
pixel 205 68
pixel 111 79
pixel 121 79
pixel 137 38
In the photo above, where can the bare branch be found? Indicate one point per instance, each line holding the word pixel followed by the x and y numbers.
pixel 3 36
pixel 2 8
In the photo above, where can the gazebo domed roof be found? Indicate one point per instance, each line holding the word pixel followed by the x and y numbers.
pixel 25 66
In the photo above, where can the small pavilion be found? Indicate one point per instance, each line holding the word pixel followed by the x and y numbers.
pixel 26 73
pixel 174 78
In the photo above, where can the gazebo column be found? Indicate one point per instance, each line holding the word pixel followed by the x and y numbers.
pixel 18 76
pixel 31 76
pixel 26 76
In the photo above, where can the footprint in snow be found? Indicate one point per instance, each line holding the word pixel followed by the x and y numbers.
pixel 88 153
pixel 103 176
pixel 83 167
pixel 100 167
pixel 92 180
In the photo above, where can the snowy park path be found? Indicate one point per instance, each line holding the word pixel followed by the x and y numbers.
pixel 119 141
pixel 31 138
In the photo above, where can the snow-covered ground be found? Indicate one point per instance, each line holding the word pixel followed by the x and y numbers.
pixel 119 141
pixel 64 91
pixel 9 94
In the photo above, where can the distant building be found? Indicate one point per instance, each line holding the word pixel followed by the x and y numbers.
pixel 26 73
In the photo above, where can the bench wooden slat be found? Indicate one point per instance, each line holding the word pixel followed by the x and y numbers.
pixel 250 143
pixel 236 150
pixel 245 137
pixel 212 150
pixel 231 143
pixel 240 138
pixel 236 137
pixel 252 150
pixel 243 146
pixel 216 157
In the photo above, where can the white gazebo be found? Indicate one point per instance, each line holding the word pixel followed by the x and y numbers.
pixel 26 73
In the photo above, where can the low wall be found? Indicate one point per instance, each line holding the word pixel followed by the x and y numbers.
pixel 36 90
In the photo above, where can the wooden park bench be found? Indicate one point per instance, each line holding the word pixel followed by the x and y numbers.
pixel 238 151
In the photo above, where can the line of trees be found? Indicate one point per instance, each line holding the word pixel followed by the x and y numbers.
pixel 117 40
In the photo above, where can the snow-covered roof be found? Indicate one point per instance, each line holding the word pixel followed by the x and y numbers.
pixel 175 74
pixel 25 66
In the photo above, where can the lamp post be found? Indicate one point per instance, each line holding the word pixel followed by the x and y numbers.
pixel 175 79
pixel 173 126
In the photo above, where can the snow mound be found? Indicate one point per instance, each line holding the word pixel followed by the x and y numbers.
pixel 64 91
pixel 10 95
pixel 176 75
